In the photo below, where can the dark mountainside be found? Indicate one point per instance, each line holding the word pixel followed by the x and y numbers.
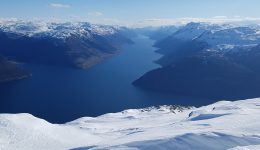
pixel 78 46
pixel 74 51
pixel 193 66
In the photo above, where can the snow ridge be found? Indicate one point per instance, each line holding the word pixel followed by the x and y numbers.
pixel 219 126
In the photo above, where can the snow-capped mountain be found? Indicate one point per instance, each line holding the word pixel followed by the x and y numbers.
pixel 212 37
pixel 56 30
pixel 73 44
pixel 194 30
pixel 219 126
pixel 220 36
pixel 204 60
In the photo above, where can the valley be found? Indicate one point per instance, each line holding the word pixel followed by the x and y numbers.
pixel 68 93
pixel 129 75
pixel 132 68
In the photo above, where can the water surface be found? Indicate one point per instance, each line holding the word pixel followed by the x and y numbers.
pixel 60 94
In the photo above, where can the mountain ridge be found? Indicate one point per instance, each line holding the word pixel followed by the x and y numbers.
pixel 79 45
pixel 204 60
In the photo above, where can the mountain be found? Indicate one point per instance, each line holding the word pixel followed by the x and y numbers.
pixel 79 45
pixel 219 126
pixel 9 71
pixel 204 60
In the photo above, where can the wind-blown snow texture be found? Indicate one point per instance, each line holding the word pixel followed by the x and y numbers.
pixel 223 125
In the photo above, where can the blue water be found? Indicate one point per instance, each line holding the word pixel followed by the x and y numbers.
pixel 62 94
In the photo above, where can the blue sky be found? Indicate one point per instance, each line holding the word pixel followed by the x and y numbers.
pixel 128 11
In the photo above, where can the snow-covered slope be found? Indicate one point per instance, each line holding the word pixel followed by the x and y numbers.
pixel 193 30
pixel 251 147
pixel 55 30
pixel 220 37
pixel 223 125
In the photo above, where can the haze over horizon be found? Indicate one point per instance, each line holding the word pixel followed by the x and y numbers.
pixel 133 13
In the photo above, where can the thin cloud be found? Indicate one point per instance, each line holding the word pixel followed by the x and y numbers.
pixel 185 20
pixel 95 14
pixel 57 5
